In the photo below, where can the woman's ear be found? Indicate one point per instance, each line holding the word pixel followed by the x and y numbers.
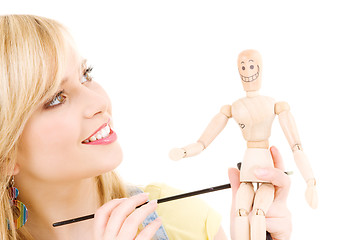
pixel 16 169
pixel 8 171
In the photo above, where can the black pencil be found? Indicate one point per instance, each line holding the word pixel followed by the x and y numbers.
pixel 161 200
pixel 74 220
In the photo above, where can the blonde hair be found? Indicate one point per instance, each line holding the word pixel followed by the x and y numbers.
pixel 32 60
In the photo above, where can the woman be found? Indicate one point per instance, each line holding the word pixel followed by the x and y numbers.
pixel 58 148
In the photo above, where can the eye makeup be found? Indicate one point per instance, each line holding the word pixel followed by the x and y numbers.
pixel 59 97
pixel 86 74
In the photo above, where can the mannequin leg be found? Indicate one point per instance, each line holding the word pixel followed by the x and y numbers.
pixel 264 197
pixel 244 200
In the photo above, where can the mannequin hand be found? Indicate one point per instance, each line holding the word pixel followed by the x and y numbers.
pixel 177 153
pixel 120 219
pixel 278 217
pixel 311 194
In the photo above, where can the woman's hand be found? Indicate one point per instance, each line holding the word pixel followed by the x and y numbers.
pixel 278 217
pixel 120 219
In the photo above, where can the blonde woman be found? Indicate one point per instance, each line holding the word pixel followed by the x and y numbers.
pixel 58 149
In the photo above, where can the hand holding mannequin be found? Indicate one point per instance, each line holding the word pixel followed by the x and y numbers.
pixel 278 217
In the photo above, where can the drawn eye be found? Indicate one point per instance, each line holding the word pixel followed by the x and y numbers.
pixel 243 68
pixel 251 66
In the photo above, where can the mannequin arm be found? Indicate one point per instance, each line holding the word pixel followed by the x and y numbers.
pixel 216 125
pixel 288 126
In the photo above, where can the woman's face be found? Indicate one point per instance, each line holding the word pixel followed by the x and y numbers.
pixel 55 144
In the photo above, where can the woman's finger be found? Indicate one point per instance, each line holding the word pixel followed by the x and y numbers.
pixel 234 177
pixel 121 212
pixel 102 216
pixel 278 178
pixel 149 231
pixel 130 225
pixel 277 159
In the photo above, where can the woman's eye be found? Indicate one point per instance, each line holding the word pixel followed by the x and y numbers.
pixel 58 99
pixel 86 77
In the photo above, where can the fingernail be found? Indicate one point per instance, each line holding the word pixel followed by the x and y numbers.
pixel 261 172
pixel 153 202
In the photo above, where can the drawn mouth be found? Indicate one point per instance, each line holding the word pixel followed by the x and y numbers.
pixel 251 78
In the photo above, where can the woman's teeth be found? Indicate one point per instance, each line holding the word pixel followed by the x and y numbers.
pixel 103 133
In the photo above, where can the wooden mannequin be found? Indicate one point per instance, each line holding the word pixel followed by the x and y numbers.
pixel 254 114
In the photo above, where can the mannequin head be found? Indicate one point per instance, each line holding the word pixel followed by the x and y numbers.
pixel 250 69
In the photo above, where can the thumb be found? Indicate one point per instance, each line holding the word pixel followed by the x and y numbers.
pixel 234 177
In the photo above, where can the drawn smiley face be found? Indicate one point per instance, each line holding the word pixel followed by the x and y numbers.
pixel 249 70
pixel 249 66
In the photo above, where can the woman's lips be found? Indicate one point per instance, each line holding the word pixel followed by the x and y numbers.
pixel 103 141
pixel 103 135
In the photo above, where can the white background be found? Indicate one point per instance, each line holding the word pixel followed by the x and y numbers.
pixel 169 66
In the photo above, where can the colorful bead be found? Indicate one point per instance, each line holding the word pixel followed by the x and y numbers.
pixel 23 213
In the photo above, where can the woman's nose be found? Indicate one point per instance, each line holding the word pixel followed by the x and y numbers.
pixel 97 102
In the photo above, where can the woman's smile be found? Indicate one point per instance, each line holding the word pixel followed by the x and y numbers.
pixel 104 136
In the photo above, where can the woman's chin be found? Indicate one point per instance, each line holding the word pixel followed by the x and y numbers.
pixel 112 160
